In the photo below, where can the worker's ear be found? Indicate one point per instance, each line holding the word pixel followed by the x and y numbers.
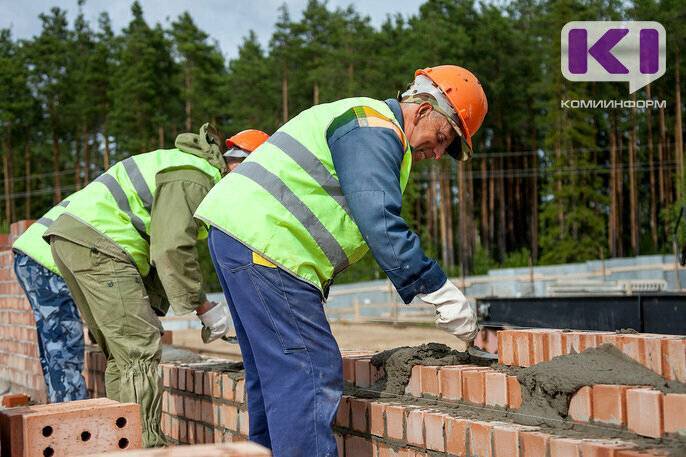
pixel 423 111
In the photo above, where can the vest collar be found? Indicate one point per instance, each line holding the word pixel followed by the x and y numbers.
pixel 394 105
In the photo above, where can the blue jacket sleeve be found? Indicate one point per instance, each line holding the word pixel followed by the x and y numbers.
pixel 367 161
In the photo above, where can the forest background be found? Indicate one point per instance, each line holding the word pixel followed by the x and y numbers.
pixel 546 184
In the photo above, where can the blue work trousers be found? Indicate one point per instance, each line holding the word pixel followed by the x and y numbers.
pixel 59 327
pixel 293 367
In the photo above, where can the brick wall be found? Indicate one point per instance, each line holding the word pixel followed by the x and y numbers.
pixel 19 362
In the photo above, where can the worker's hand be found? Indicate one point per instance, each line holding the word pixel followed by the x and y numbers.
pixel 215 319
pixel 454 314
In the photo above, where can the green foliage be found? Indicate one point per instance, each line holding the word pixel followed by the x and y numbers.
pixel 79 92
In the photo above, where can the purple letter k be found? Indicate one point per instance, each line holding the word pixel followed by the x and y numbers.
pixel 601 51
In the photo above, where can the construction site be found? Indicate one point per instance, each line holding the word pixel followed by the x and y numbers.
pixel 342 229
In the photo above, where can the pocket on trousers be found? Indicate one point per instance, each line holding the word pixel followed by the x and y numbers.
pixel 268 286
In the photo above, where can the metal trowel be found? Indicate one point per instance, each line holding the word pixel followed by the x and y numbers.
pixel 478 353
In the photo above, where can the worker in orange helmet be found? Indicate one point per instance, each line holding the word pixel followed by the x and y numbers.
pixel 239 146
pixel 308 203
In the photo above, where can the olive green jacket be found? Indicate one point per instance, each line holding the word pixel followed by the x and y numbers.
pixel 176 277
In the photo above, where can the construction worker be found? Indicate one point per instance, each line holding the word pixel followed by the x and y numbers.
pixel 325 188
pixel 136 217
pixel 58 324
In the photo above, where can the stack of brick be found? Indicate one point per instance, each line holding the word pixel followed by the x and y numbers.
pixel 19 359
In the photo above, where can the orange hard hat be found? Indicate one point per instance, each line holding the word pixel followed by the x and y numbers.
pixel 244 142
pixel 464 92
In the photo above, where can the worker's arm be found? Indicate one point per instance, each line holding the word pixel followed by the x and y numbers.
pixel 367 161
pixel 173 236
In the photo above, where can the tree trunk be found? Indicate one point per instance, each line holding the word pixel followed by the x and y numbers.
pixel 534 198
pixel 160 136
pixel 491 205
pixel 57 197
pixel 661 152
pixel 284 94
pixel 651 168
pixel 620 196
pixel 86 157
pixel 484 205
pixel 106 155
pixel 463 226
pixel 77 163
pixel 502 242
pixel 188 82
pixel 678 134
pixel 612 223
pixel 450 233
pixel 443 219
pixel 633 191
pixel 315 94
pixel 6 158
pixel 27 179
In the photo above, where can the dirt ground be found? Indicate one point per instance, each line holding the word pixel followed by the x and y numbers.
pixel 372 337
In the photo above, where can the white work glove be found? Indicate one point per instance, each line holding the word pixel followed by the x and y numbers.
pixel 215 322
pixel 453 314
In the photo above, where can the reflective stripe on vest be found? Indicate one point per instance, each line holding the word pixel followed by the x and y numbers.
pixel 287 204
pixel 272 184
pixel 31 242
pixel 118 203
pixel 311 164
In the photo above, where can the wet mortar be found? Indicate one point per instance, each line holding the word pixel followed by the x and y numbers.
pixel 546 389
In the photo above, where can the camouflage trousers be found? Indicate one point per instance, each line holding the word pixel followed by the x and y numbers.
pixel 59 327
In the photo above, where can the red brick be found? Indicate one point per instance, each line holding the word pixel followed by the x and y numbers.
pixel 643 453
pixel 581 405
pixel 506 347
pixel 376 373
pixel 199 382
pixel 674 359
pixel 456 436
pixel 480 439
pixel 473 387
pixel 190 382
pixel 415 427
pixel 554 344
pixel 611 338
pixel 349 369
pixel 609 404
pixel 505 441
pixel 182 378
pixel 207 412
pixel 358 414
pixel 450 380
pixel 514 393
pixel 227 387
pixel 376 418
pixel 216 384
pixel 674 412
pixel 644 412
pixel 534 444
pixel 565 447
pixel 394 421
pixel 496 389
pixel 523 348
pixel 229 416
pixel 429 381
pixel 434 425
pixel 602 448
pixel 414 386
pixel 339 445
pixel 14 400
pixel 356 446
pixel 633 346
pixel 243 422
pixel 652 353
pixel 343 413
pixel 191 408
pixel 240 391
pixel 363 375
pixel 540 346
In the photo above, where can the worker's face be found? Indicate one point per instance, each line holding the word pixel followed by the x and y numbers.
pixel 431 134
pixel 232 163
